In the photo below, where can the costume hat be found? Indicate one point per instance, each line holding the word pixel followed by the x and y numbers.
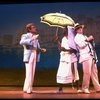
pixel 77 26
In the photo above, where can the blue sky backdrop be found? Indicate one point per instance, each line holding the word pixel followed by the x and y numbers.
pixel 13 17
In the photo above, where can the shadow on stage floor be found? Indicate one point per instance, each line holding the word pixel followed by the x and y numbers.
pixel 46 93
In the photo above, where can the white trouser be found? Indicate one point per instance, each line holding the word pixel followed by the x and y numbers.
pixel 75 72
pixel 30 72
pixel 90 71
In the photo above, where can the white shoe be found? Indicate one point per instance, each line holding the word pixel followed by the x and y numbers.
pixel 86 91
pixel 60 91
pixel 29 92
pixel 24 91
pixel 79 91
pixel 98 91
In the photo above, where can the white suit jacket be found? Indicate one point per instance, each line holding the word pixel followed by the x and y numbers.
pixel 84 47
pixel 28 46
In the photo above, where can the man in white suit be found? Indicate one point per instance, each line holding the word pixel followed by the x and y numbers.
pixel 87 59
pixel 31 46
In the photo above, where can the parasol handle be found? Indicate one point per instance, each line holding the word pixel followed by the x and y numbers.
pixel 57 31
pixel 57 28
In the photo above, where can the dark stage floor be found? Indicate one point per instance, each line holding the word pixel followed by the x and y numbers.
pixel 45 93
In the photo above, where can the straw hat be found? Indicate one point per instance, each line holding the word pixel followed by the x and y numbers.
pixel 77 26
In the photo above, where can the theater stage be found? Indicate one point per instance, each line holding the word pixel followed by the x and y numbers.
pixel 45 93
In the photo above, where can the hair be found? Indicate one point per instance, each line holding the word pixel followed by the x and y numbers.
pixel 65 31
pixel 28 27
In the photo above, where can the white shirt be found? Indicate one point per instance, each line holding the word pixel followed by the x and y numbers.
pixel 66 56
pixel 83 47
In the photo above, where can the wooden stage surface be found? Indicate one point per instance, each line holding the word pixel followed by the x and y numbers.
pixel 45 93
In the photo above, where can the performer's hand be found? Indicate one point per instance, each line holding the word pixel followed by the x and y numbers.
pixel 43 50
pixel 55 38
pixel 72 27
pixel 90 38
pixel 34 37
pixel 73 51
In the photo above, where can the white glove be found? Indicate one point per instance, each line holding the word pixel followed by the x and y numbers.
pixel 34 37
pixel 90 38
pixel 70 26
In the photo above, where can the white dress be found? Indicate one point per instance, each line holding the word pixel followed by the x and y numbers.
pixel 64 73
